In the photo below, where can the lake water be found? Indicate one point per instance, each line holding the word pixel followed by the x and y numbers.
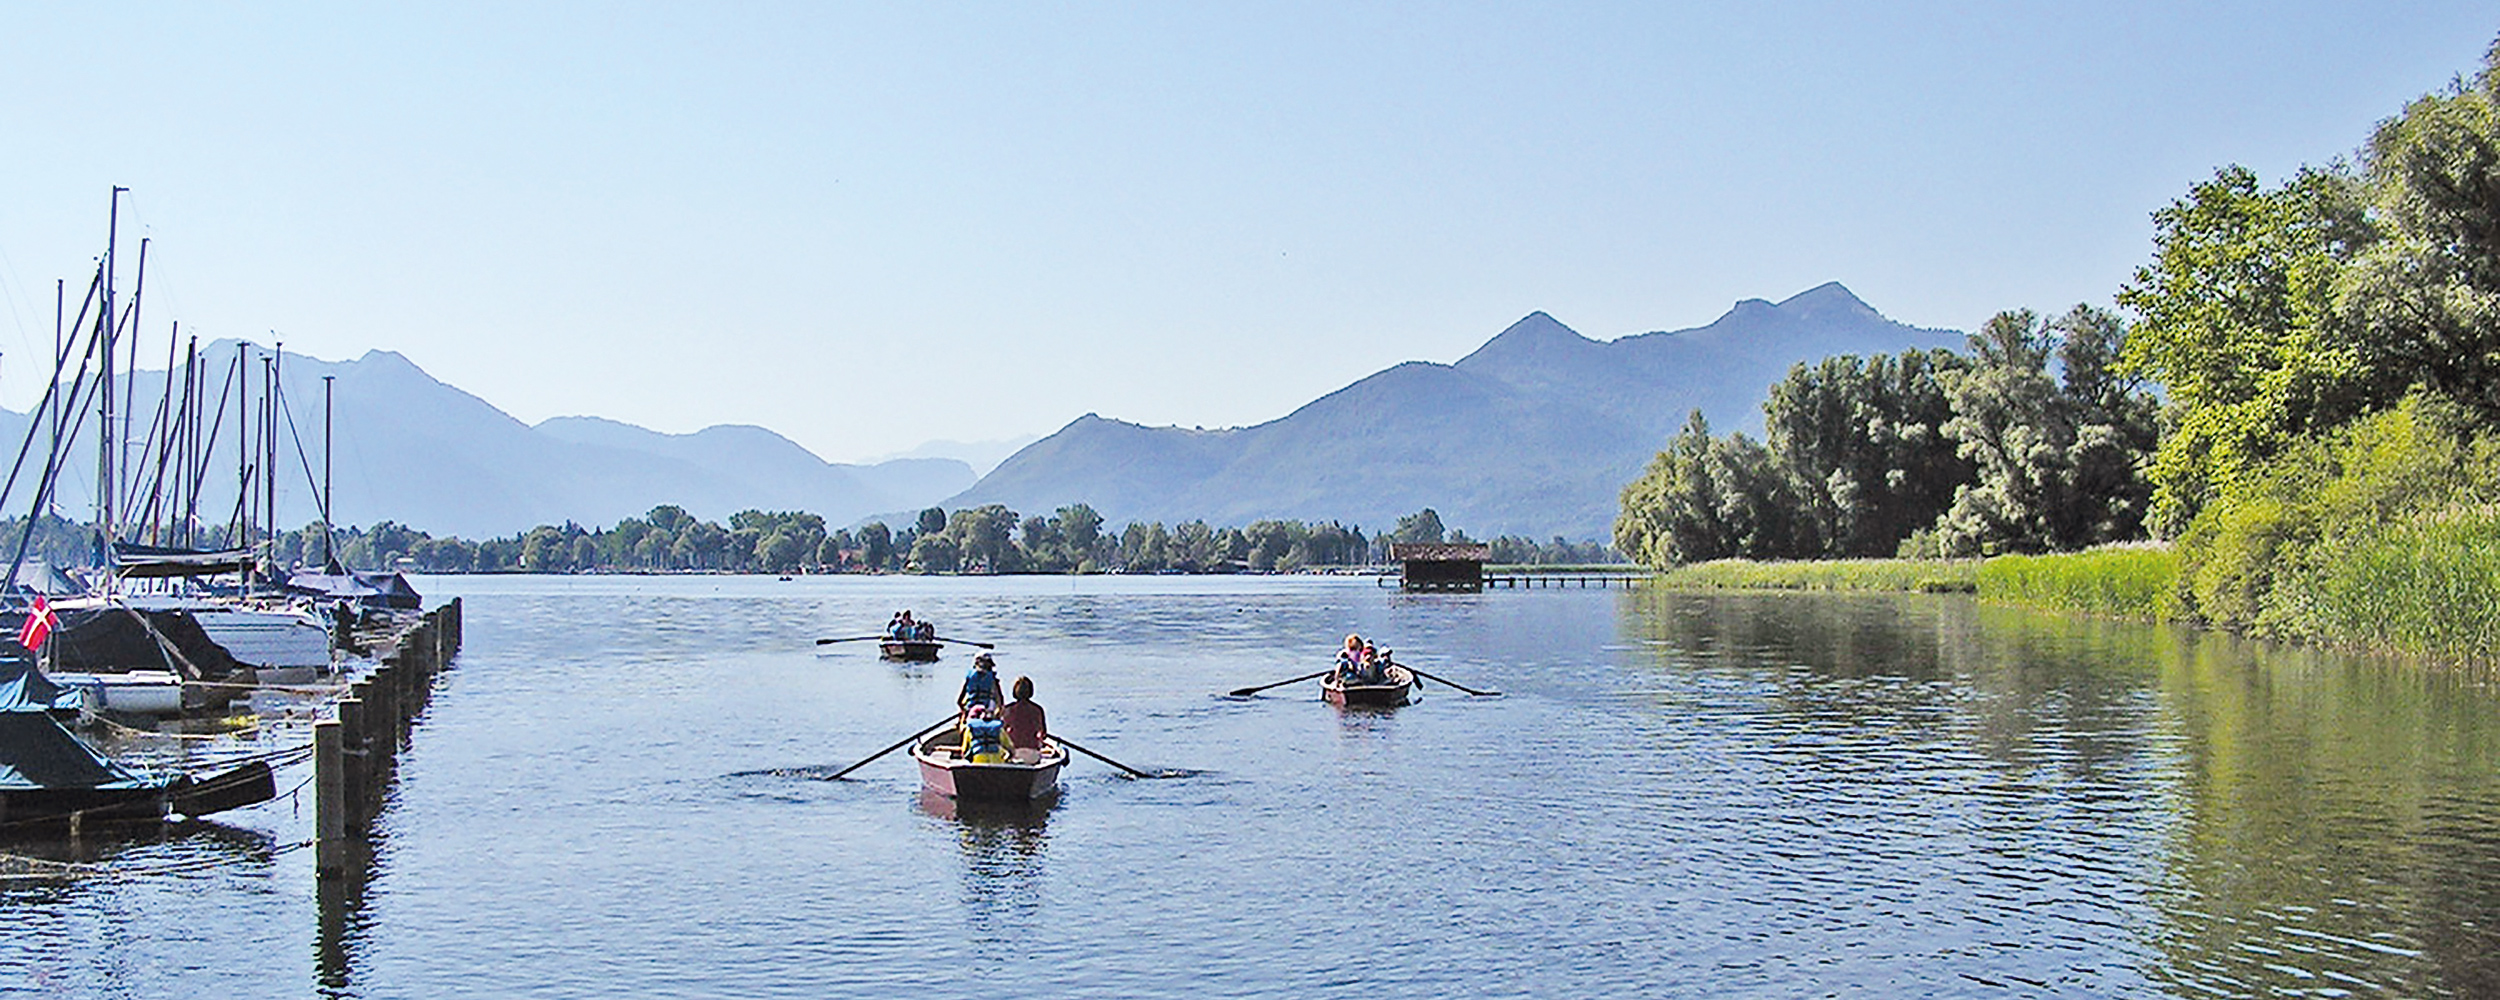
pixel 613 794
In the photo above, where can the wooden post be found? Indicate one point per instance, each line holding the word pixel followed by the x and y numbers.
pixel 329 799
pixel 355 759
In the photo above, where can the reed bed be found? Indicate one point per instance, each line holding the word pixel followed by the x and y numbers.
pixel 1921 575
pixel 2133 581
pixel 2429 587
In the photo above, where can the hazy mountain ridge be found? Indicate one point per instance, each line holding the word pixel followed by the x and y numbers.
pixel 416 450
pixel 1534 433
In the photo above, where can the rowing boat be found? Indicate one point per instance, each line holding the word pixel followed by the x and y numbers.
pixel 1400 687
pixel 909 650
pixel 944 770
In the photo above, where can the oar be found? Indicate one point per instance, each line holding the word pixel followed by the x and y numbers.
pixel 965 642
pixel 907 741
pixel 851 638
pixel 1452 683
pixel 1071 744
pixel 1248 691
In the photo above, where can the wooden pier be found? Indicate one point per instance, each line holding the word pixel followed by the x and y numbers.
pixel 1524 581
pixel 356 753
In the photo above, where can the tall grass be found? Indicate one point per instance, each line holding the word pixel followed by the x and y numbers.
pixel 2430 587
pixel 1931 575
pixel 2121 581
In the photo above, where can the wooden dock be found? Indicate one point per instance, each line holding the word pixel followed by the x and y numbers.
pixel 1525 581
pixel 356 753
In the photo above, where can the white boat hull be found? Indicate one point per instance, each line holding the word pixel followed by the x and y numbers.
pixel 138 692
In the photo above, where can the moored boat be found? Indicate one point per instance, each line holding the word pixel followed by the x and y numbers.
pixel 1397 691
pixel 944 770
pixel 909 650
pixel 48 777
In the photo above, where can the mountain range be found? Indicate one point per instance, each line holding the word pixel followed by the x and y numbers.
pixel 1534 433
pixel 414 450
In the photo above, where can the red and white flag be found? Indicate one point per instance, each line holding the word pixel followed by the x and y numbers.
pixel 39 625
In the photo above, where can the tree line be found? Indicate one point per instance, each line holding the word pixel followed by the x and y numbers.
pixel 985 539
pixel 1980 451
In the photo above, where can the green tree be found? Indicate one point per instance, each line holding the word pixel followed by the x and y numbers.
pixel 2421 306
pixel 1863 440
pixel 2230 320
pixel 876 545
pixel 1421 526
pixel 1706 497
pixel 935 554
pixel 2056 464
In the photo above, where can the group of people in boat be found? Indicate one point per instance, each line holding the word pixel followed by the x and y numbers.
pixel 995 730
pixel 902 628
pixel 1360 662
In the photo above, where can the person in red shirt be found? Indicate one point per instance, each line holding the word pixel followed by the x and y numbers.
pixel 1027 726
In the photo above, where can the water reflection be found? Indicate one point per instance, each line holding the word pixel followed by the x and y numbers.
pixel 1005 849
pixel 2267 820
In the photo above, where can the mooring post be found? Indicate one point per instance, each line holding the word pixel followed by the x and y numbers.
pixel 355 758
pixel 329 800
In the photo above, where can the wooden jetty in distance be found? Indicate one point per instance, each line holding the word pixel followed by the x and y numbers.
pixel 1459 568
pixel 1532 578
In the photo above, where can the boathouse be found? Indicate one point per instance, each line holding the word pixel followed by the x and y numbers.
pixel 1450 567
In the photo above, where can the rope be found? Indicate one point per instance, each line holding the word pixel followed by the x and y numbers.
pixel 108 722
pixel 15 867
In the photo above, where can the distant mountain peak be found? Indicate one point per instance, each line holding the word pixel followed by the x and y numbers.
pixel 1536 341
pixel 1831 300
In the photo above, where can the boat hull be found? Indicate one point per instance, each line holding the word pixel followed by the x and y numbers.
pixel 944 772
pixel 909 650
pixel 137 692
pixel 1399 690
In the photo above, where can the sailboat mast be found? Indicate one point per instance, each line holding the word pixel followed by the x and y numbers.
pixel 329 553
pixel 104 379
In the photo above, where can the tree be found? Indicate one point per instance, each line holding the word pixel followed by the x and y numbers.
pixel 1706 498
pixel 1863 440
pixel 2422 305
pixel 2230 320
pixel 1421 526
pixel 935 554
pixel 2055 464
pixel 876 545
pixel 932 521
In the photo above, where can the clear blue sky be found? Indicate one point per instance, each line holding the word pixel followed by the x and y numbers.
pixel 866 226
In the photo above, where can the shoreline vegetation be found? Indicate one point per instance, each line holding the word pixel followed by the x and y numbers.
pixel 2293 433
pixel 985 540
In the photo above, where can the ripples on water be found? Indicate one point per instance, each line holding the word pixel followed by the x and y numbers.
pixel 1680 795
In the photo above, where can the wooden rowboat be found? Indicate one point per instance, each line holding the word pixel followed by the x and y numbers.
pixel 1399 689
pixel 944 770
pixel 909 650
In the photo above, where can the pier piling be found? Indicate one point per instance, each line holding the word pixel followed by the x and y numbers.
pixel 356 751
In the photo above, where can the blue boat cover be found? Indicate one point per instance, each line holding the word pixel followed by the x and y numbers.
pixel 375 590
pixel 23 686
pixel 35 752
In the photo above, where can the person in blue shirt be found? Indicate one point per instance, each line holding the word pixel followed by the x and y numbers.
pixel 980 685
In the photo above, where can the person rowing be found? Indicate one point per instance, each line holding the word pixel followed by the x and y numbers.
pixel 980 685
pixel 1026 725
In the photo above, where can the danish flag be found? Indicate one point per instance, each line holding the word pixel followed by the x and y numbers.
pixel 39 625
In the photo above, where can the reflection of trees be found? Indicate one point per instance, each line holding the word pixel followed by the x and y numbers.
pixel 2263 819
pixel 2338 820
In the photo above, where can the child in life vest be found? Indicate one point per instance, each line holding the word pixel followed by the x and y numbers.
pixel 982 736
